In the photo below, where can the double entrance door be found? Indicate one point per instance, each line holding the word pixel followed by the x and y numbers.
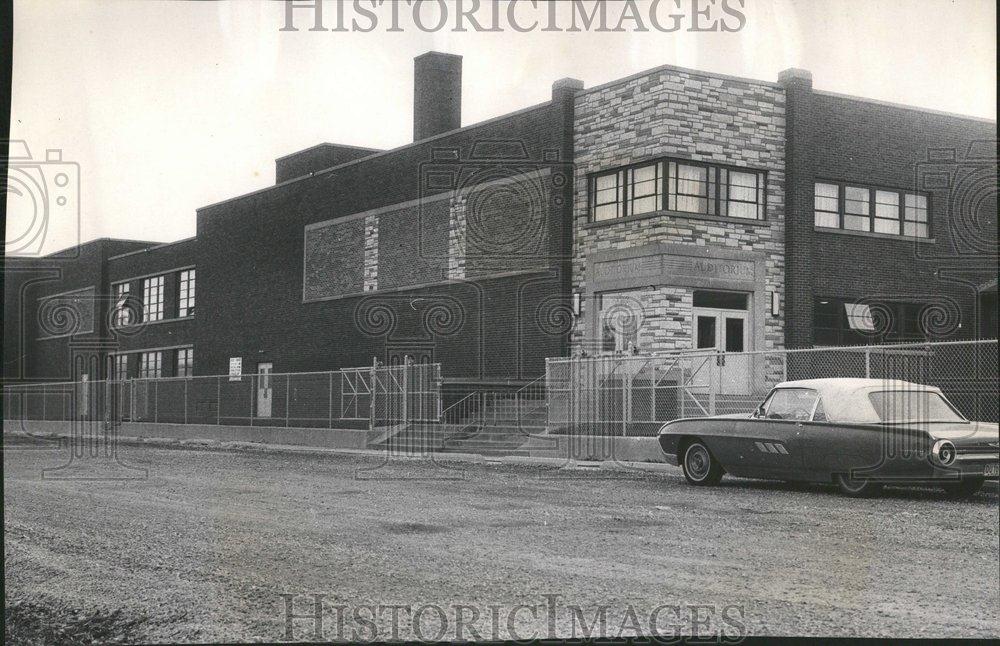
pixel 724 331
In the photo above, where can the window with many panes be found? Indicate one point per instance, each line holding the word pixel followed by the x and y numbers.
pixel 123 316
pixel 856 209
pixel 185 293
pixel 838 321
pixel 644 189
pixel 119 367
pixel 606 196
pixel 878 210
pixel 152 298
pixel 915 222
pixel 679 186
pixel 185 362
pixel 827 205
pixel 150 365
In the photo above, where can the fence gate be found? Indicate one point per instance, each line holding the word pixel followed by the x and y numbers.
pixel 356 393
pixel 388 395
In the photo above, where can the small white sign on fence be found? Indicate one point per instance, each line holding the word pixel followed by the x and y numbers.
pixel 235 368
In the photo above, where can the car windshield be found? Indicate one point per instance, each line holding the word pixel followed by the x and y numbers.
pixel 790 403
pixel 898 406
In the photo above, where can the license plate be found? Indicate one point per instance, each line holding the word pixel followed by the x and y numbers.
pixel 991 470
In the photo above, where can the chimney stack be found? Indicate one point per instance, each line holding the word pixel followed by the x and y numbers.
pixel 795 76
pixel 437 94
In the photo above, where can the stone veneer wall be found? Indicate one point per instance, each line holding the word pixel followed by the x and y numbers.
pixel 677 113
pixel 456 239
pixel 371 253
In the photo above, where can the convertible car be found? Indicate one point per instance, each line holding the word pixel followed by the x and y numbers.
pixel 860 434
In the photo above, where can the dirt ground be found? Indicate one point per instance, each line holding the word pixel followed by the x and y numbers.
pixel 203 547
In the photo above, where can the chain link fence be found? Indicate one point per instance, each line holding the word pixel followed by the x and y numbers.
pixel 351 398
pixel 633 395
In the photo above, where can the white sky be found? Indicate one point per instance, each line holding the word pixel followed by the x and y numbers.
pixel 167 106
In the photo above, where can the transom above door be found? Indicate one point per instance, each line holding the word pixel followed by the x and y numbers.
pixel 721 321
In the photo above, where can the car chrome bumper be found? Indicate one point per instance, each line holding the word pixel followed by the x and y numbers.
pixel 972 457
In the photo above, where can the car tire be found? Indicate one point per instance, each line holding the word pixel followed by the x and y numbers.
pixel 701 469
pixel 857 488
pixel 967 488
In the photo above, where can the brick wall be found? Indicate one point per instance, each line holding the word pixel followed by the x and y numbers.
pixel 315 159
pixel 40 349
pixel 686 115
pixel 171 331
pixel 250 265
pixel 845 139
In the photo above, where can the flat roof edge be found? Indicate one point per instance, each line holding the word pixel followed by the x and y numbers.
pixel 52 254
pixel 904 106
pixel 327 143
pixel 157 245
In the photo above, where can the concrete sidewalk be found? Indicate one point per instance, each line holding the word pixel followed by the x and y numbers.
pixel 459 458
pixel 542 449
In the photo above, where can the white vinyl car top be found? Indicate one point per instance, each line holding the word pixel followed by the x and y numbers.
pixel 846 399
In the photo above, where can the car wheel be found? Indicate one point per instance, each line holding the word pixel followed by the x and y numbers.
pixel 857 487
pixel 700 468
pixel 965 489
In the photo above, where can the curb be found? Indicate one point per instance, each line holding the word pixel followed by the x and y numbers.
pixel 613 466
pixel 466 458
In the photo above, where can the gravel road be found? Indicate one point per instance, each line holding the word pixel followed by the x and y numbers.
pixel 203 548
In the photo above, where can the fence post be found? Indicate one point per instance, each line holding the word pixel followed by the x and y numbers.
pixel 626 397
pixel 288 400
pixel 186 401
pixel 218 401
pixel 371 396
pixel 331 400
pixel 406 388
pixel 253 390
pixel 156 402
pixel 439 386
pixel 868 364
pixel 713 371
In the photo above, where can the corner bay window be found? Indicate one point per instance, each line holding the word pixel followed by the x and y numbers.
pixel 878 210
pixel 679 186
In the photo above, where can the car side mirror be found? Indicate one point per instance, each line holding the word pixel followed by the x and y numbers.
pixel 758 412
